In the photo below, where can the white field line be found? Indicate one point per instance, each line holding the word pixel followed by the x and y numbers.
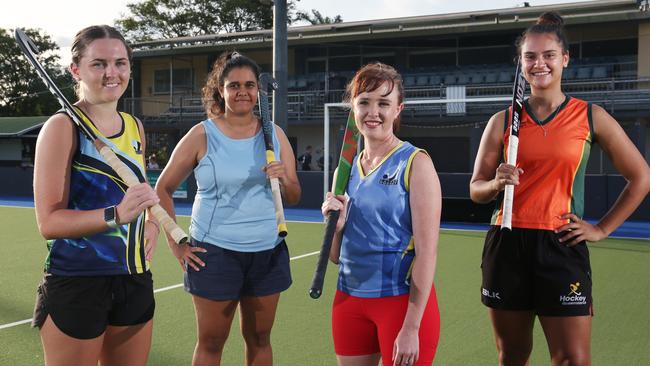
pixel 25 321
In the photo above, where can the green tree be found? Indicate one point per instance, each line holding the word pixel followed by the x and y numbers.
pixel 317 18
pixel 22 93
pixel 156 19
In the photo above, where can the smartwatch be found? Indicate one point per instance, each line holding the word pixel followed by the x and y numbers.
pixel 110 217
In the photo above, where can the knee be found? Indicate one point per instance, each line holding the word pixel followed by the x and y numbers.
pixel 258 338
pixel 212 344
pixel 508 358
pixel 514 354
pixel 572 358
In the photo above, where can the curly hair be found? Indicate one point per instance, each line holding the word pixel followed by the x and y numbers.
pixel 213 101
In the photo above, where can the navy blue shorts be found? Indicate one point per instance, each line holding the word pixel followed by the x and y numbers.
pixel 231 275
pixel 529 269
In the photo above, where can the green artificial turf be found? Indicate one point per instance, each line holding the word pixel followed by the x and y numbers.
pixel 301 335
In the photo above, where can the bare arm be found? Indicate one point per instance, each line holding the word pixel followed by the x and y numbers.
pixel 289 184
pixel 54 151
pixel 184 158
pixel 186 155
pixel 632 166
pixel 490 177
pixel 426 204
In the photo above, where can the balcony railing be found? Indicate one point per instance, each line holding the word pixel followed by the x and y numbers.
pixel 615 95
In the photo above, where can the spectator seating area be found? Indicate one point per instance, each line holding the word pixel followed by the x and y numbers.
pixel 578 70
pixel 307 93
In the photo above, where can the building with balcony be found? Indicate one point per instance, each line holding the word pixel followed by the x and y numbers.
pixel 442 56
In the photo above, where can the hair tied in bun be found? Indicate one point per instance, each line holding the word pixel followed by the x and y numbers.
pixel 550 18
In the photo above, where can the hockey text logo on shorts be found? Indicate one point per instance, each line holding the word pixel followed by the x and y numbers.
pixel 574 297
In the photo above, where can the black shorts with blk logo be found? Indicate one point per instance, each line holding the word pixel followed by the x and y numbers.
pixel 529 269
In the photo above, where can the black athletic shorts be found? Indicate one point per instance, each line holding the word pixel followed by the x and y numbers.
pixel 82 307
pixel 231 275
pixel 529 269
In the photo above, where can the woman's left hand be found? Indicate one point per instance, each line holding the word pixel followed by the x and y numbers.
pixel 406 347
pixel 578 231
pixel 275 170
pixel 150 238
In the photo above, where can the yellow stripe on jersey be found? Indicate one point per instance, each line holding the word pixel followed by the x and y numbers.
pixel 407 171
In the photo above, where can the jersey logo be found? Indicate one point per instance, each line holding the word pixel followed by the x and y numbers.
pixel 137 146
pixel 389 181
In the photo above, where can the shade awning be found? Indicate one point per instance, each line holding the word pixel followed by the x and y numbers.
pixel 19 126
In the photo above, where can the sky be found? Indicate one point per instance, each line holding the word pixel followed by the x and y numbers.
pixel 61 19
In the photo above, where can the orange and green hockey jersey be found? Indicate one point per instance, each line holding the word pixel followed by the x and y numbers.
pixel 553 154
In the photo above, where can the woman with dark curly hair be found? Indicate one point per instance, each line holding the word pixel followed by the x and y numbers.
pixel 236 257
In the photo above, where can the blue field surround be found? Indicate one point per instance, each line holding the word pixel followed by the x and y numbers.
pixel 629 229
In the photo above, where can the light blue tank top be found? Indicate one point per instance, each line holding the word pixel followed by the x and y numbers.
pixel 377 245
pixel 233 207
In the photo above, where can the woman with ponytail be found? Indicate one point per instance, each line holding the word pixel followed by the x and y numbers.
pixel 541 267
pixel 95 303
pixel 236 257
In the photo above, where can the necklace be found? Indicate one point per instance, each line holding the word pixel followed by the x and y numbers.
pixel 373 163
pixel 547 119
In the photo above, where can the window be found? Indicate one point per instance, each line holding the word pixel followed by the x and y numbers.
pixel 345 63
pixel 431 59
pixel 316 65
pixel 387 59
pixel 182 81
pixel 617 47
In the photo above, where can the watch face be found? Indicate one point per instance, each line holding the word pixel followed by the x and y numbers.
pixel 109 214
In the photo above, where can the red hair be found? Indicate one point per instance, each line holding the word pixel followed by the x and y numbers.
pixel 370 78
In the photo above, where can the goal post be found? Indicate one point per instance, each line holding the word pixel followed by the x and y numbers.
pixel 446 107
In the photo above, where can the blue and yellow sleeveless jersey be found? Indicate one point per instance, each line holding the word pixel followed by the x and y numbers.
pixel 94 184
pixel 377 249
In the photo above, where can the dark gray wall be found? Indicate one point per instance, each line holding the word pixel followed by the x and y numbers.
pixel 601 191
pixel 17 181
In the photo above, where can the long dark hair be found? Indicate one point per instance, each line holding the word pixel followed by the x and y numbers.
pixel 213 101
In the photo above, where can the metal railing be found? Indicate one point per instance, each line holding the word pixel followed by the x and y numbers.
pixel 615 95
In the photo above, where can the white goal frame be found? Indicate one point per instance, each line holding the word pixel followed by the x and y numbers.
pixel 326 126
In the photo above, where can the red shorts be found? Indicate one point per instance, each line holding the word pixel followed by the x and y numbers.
pixel 363 326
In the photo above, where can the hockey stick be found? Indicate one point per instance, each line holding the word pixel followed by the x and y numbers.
pixel 513 142
pixel 348 150
pixel 266 81
pixel 31 51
